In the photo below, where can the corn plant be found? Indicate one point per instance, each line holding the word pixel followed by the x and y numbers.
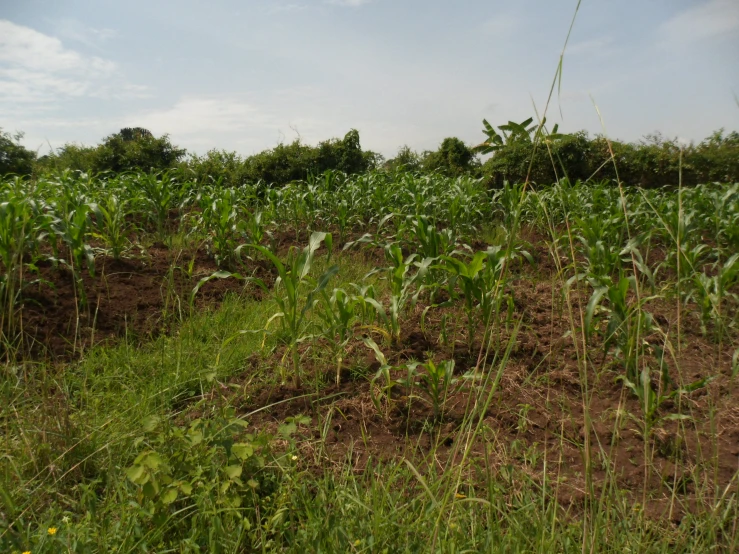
pixel 436 382
pixel 159 197
pixel 72 230
pixel 254 226
pixel 479 280
pixel 344 218
pixel 293 275
pixel 711 291
pixel 600 239
pixel 22 228
pixel 628 324
pixel 428 241
pixel 653 396
pixel 338 312
pixel 224 226
pixel 110 219
pixel 401 280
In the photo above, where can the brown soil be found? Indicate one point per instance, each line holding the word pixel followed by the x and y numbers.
pixel 135 298
pixel 537 418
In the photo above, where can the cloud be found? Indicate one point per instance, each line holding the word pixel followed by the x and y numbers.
pixel 500 25
pixel 710 19
pixel 35 67
pixel 287 8
pixel 349 3
pixel 195 121
pixel 596 46
pixel 72 29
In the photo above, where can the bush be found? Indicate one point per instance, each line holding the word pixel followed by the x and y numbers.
pixel 15 158
pixel 453 158
pixel 285 162
pixel 406 159
pixel 652 162
pixel 131 149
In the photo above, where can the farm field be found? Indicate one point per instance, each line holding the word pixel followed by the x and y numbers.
pixel 380 362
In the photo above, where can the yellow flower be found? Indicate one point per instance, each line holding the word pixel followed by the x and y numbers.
pixel 52 530
pixel 26 552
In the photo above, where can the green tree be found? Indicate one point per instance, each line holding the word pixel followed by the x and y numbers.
pixel 14 157
pixel 132 148
pixel 452 158
pixel 136 149
pixel 406 158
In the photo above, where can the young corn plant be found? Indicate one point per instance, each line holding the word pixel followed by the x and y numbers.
pixel 22 228
pixel 426 239
pixel 293 276
pixel 481 287
pixel 338 312
pixel 628 324
pixel 110 220
pixel 435 382
pixel 402 281
pixel 600 239
pixel 158 198
pixel 710 292
pixel 345 218
pixel 222 221
pixel 72 230
pixel 254 227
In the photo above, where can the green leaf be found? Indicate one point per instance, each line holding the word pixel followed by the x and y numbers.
pixel 152 460
pixel 134 473
pixel 186 488
pixel 150 423
pixel 150 489
pixel 287 429
pixel 169 496
pixel 233 471
pixel 590 310
pixel 196 437
pixel 216 275
pixel 242 450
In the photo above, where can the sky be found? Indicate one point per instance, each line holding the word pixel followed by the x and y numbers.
pixel 245 75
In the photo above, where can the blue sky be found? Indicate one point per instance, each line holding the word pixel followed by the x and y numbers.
pixel 246 74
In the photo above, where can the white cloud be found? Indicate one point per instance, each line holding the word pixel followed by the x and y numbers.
pixel 590 47
pixel 501 25
pixel 191 116
pixel 194 122
pixel 350 3
pixel 35 67
pixel 709 19
pixel 72 29
pixel 287 8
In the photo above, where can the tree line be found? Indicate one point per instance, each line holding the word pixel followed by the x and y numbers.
pixel 519 151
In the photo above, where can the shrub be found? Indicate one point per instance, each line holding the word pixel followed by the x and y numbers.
pixel 131 149
pixel 286 162
pixel 652 162
pixel 15 158
pixel 406 159
pixel 453 158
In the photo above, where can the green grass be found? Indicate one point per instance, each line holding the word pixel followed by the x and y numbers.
pixel 149 446
pixel 83 421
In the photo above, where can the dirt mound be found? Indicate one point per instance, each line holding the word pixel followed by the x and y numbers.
pixel 140 298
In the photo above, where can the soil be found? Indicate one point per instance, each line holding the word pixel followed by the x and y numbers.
pixel 536 421
pixel 137 298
